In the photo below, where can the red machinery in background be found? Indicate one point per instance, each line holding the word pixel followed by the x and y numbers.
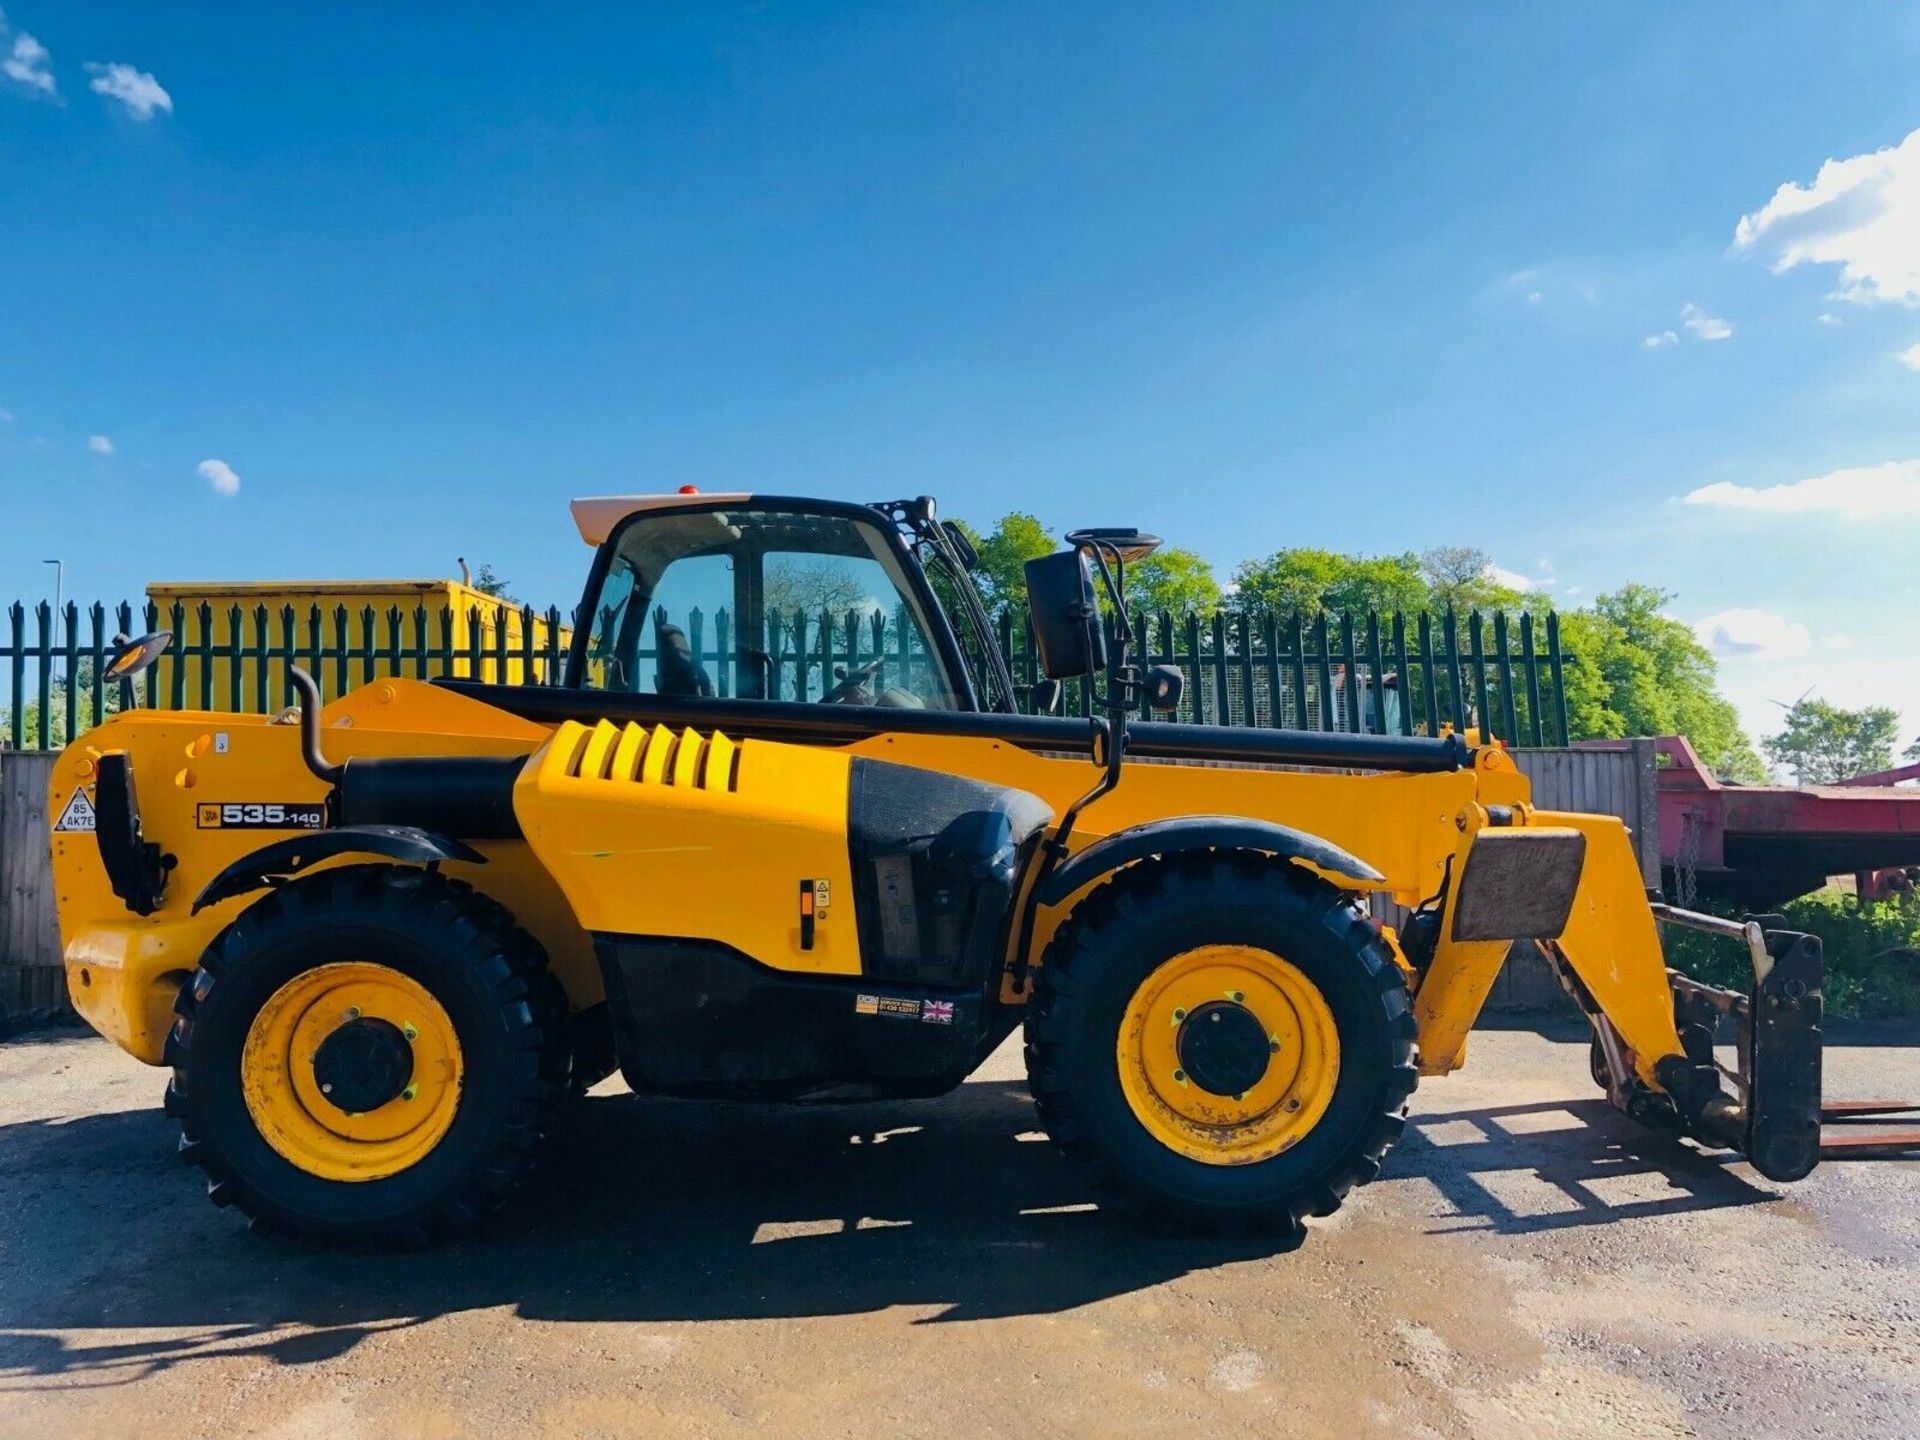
pixel 1760 845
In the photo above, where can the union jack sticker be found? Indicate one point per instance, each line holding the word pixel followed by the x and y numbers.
pixel 936 1012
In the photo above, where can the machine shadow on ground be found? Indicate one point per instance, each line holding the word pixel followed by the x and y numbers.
pixel 651 1211
pixel 1559 1165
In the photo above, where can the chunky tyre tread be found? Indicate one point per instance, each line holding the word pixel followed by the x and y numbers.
pixel 1126 901
pixel 520 992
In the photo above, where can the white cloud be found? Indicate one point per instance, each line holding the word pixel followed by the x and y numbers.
pixel 1837 642
pixel 1862 214
pixel 99 444
pixel 1861 493
pixel 1752 635
pixel 1573 590
pixel 1512 579
pixel 27 63
pixel 1703 326
pixel 220 476
pixel 1827 317
pixel 1534 297
pixel 136 89
pixel 1909 357
pixel 1665 337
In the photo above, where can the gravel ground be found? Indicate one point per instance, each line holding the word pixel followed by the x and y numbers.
pixel 1530 1264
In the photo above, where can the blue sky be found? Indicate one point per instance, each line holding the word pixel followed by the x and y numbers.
pixel 1248 275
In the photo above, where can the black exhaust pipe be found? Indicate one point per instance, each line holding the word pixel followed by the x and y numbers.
pixel 469 797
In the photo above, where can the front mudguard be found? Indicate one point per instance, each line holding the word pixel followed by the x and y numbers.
pixel 1206 832
pixel 284 858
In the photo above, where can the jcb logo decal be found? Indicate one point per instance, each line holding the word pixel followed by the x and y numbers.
pixel 260 815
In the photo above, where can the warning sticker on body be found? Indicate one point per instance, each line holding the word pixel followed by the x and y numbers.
pixel 891 1005
pixel 78 817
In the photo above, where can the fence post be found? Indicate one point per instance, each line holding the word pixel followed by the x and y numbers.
pixel 1533 677
pixel 556 657
pixel 1376 678
pixel 1350 692
pixel 1296 640
pixel 17 675
pixel 1479 656
pixel 70 620
pixel 43 613
pixel 395 651
pixel 1559 675
pixel 800 655
pixel 1199 674
pixel 203 651
pixel 1403 672
pixel 1222 687
pixel 446 639
pixel 1500 644
pixel 235 681
pixel 97 614
pixel 476 646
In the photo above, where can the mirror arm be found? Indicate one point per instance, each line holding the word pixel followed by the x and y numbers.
pixel 1109 736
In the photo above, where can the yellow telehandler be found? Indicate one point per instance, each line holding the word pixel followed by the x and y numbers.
pixel 379 941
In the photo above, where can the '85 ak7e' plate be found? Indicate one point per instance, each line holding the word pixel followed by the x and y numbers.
pixel 259 815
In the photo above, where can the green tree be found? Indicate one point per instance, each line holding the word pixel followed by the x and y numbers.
pixel 1004 552
pixel 489 582
pixel 1462 576
pixel 1310 581
pixel 1823 743
pixel 57 709
pixel 1172 580
pixel 1632 670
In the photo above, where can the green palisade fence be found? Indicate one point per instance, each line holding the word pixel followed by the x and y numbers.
pixel 1379 674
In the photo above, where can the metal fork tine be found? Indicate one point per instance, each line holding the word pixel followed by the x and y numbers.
pixel 1889 1146
pixel 1859 1110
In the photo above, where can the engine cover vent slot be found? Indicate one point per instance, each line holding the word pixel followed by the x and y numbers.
pixel 635 754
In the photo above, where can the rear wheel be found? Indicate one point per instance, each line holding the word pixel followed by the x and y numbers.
pixel 1224 1042
pixel 368 1056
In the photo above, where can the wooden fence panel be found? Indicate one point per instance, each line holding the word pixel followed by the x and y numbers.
pixel 31 982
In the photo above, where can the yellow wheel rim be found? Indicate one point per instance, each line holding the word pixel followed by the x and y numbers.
pixel 1262 1105
pixel 283 1090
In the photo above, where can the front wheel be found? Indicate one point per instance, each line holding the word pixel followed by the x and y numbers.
pixel 1223 1041
pixel 367 1057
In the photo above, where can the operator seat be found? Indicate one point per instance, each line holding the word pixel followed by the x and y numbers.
pixel 680 672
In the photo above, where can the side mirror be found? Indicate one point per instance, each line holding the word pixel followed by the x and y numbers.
pixel 130 657
pixel 1066 623
pixel 1164 686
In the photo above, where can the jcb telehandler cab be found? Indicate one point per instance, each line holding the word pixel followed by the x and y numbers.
pixel 379 941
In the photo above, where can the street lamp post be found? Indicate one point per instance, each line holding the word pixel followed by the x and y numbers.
pixel 59 595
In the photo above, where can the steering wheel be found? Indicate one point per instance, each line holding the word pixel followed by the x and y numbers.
pixel 853 685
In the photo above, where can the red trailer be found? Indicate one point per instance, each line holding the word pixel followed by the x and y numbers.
pixel 1759 845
